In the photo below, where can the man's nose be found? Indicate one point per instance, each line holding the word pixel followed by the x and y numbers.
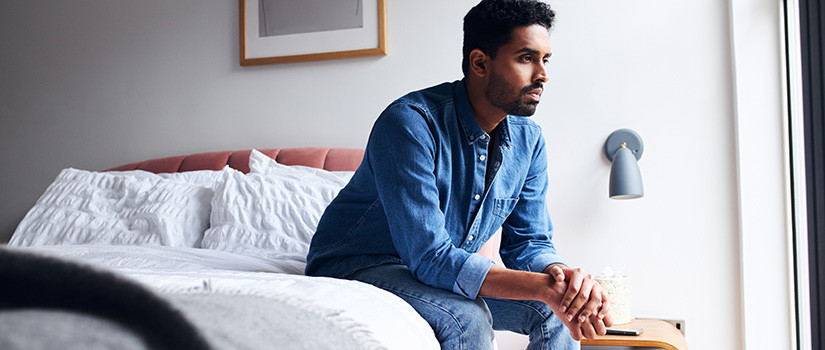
pixel 541 73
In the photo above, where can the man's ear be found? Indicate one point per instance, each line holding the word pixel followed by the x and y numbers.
pixel 479 62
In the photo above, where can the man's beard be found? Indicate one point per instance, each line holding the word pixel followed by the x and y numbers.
pixel 498 92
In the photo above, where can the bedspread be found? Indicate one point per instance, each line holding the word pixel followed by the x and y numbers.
pixel 243 302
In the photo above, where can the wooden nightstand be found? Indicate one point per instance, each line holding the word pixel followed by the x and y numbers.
pixel 657 334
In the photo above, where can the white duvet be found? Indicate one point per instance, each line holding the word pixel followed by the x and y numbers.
pixel 392 323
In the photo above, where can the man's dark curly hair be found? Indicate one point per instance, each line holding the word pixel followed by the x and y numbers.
pixel 489 24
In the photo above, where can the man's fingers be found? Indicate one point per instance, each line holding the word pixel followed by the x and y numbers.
pixel 575 332
pixel 557 273
pixel 605 309
pixel 588 330
pixel 573 288
pixel 591 308
pixel 598 325
pixel 607 318
pixel 581 299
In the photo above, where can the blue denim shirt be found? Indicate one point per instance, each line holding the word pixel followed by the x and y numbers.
pixel 419 197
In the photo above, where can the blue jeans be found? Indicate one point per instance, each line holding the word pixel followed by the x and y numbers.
pixel 463 324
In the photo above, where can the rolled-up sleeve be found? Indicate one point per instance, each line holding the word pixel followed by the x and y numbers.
pixel 402 154
pixel 527 234
pixel 472 275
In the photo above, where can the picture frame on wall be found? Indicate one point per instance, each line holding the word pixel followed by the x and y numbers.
pixel 288 31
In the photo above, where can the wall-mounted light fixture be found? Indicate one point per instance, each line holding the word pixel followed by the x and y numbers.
pixel 624 147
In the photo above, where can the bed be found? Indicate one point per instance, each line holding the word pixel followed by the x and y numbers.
pixel 204 251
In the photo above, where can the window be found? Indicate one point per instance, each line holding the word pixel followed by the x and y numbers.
pixel 804 48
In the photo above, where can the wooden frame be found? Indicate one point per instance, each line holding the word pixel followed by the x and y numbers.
pixel 367 41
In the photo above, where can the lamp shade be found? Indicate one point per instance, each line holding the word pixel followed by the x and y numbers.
pixel 625 177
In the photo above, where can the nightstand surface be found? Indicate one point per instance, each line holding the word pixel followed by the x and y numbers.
pixel 657 334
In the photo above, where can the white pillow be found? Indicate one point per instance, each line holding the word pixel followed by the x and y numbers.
pixel 262 164
pixel 83 207
pixel 205 178
pixel 270 215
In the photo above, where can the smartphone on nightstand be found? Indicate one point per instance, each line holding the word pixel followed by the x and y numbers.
pixel 624 331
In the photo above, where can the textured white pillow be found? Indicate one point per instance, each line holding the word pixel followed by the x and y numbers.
pixel 83 207
pixel 262 164
pixel 205 178
pixel 270 215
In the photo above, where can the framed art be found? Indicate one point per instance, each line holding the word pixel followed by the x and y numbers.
pixel 287 31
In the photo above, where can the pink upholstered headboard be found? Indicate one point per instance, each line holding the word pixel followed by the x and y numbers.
pixel 332 159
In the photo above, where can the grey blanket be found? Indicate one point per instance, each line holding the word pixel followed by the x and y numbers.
pixel 49 303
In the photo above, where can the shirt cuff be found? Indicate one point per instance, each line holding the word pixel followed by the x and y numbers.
pixel 471 275
pixel 541 262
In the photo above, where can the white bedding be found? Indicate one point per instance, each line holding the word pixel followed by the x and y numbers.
pixel 391 323
pixel 153 229
pixel 134 208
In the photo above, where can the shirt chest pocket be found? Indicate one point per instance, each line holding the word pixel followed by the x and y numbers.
pixel 504 206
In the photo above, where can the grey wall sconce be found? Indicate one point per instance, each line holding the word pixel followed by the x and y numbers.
pixel 624 147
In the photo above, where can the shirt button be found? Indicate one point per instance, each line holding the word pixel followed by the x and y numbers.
pixel 470 238
pixel 476 197
pixel 482 157
pixel 483 137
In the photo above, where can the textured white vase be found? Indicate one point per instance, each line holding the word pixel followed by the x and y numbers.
pixel 618 292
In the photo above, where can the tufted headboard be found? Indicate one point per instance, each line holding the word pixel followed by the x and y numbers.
pixel 332 159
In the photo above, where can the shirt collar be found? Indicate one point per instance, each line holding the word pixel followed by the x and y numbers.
pixel 472 131
pixel 505 131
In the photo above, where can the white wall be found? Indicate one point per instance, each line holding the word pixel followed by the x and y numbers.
pixel 661 68
pixel 95 84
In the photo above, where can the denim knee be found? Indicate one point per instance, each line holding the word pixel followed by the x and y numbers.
pixel 465 325
pixel 533 318
pixel 459 323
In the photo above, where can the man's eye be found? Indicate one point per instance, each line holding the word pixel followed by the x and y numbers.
pixel 526 58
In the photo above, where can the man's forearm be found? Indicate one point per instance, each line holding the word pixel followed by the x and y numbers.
pixel 522 285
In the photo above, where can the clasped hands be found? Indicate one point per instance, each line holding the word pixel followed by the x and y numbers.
pixel 584 306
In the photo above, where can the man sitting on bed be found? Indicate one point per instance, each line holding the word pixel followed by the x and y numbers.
pixel 444 168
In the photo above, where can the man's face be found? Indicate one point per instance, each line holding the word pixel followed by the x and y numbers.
pixel 518 72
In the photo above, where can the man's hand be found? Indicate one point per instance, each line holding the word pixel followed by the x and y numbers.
pixel 584 306
pixel 552 288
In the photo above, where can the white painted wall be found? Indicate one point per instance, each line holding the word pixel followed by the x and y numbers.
pixel 95 84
